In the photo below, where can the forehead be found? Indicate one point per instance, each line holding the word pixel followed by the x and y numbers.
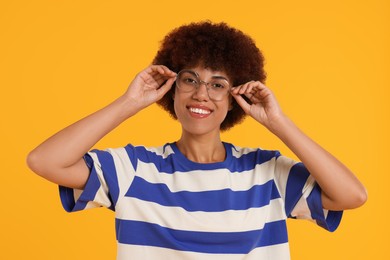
pixel 205 73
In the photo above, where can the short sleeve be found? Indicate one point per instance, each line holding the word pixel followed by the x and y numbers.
pixel 302 195
pixel 111 173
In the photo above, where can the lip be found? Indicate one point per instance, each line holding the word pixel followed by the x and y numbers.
pixel 199 111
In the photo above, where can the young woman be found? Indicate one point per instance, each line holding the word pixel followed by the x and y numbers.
pixel 199 197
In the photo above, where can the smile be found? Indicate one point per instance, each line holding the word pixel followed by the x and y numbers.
pixel 199 111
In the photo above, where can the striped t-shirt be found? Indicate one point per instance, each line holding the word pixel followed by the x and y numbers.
pixel 168 207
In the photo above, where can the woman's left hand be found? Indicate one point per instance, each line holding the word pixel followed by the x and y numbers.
pixel 263 106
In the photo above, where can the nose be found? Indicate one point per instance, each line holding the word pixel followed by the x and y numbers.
pixel 201 93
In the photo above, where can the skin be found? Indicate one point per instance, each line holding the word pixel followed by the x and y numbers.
pixel 200 140
pixel 59 159
pixel 340 187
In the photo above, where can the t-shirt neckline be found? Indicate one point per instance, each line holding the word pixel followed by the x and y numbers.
pixel 180 156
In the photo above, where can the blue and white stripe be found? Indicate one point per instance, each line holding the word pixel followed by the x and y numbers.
pixel 168 207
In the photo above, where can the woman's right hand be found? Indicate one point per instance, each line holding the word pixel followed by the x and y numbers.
pixel 150 85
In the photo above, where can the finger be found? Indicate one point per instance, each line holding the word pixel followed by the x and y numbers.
pixel 159 79
pixel 153 71
pixel 168 72
pixel 261 87
pixel 157 74
pixel 161 69
pixel 264 93
pixel 253 98
pixel 257 88
pixel 251 89
pixel 234 90
pixel 244 87
pixel 237 89
pixel 155 83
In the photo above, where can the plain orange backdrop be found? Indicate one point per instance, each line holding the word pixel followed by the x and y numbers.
pixel 327 62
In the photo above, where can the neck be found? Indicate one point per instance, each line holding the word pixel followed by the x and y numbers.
pixel 202 149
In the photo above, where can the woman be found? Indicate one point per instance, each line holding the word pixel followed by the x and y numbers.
pixel 199 198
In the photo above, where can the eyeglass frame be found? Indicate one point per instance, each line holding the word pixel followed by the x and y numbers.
pixel 200 82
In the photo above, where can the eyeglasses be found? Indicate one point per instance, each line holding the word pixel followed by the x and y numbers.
pixel 189 81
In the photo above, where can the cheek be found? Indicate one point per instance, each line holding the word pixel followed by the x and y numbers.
pixel 177 107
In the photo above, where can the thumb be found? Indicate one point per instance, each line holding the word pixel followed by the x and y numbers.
pixel 165 88
pixel 242 102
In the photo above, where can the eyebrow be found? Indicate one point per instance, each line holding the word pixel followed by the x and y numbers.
pixel 214 76
pixel 220 77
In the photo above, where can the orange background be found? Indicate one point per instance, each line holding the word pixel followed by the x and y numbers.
pixel 327 62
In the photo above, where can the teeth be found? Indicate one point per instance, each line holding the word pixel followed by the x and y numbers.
pixel 199 111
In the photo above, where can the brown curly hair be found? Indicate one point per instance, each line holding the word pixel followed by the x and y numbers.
pixel 216 46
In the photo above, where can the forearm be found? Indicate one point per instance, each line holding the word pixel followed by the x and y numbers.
pixel 60 158
pixel 341 189
pixel 68 146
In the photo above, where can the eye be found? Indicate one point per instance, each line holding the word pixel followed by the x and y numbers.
pixel 190 80
pixel 219 85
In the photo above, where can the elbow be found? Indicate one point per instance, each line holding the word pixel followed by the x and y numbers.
pixel 360 198
pixel 347 200
pixel 34 162
pixel 355 196
pixel 357 199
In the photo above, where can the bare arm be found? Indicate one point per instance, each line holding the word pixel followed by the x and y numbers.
pixel 340 188
pixel 60 158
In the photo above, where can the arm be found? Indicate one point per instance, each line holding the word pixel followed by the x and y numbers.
pixel 60 158
pixel 340 188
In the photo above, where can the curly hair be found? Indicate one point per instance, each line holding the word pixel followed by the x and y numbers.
pixel 216 46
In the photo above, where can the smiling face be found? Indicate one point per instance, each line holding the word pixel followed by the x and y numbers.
pixel 197 113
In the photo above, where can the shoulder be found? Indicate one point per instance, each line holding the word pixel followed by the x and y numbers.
pixel 148 154
pixel 132 154
pixel 242 152
pixel 160 151
pixel 132 151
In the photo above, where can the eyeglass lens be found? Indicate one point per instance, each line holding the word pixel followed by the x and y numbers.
pixel 188 81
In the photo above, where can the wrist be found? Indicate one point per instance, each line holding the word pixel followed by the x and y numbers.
pixel 280 125
pixel 127 107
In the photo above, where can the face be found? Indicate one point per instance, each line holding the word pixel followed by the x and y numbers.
pixel 196 111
